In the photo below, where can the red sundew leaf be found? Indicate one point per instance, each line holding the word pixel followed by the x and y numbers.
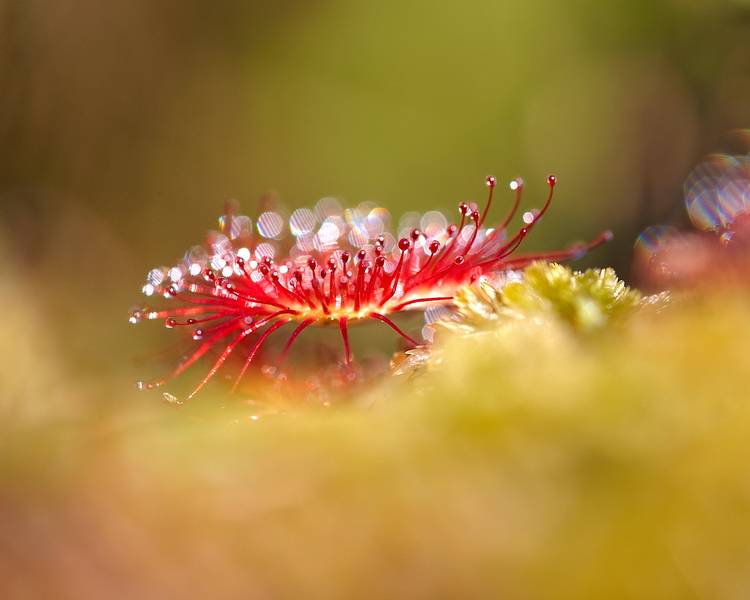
pixel 325 265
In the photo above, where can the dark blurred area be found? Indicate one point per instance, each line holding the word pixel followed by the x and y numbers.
pixel 125 127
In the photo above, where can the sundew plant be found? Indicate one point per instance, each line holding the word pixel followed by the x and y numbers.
pixel 553 432
pixel 592 413
pixel 332 266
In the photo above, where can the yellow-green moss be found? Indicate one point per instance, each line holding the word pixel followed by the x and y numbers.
pixel 529 462
pixel 586 300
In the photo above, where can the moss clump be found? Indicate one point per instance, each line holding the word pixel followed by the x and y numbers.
pixel 587 301
pixel 530 461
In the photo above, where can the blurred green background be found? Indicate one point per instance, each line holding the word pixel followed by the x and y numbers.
pixel 124 127
pixel 616 469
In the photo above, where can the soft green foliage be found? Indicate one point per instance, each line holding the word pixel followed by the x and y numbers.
pixel 547 292
pixel 530 462
pixel 625 454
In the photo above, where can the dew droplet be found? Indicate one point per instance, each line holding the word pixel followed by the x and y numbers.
pixel 433 224
pixel 718 191
pixel 491 181
pixel 270 224
pixel 170 322
pixel 244 253
pixel 170 399
pixel 302 222
pixel 175 274
pixel 326 207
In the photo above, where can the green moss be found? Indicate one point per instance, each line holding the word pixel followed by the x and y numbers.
pixel 587 300
pixel 529 461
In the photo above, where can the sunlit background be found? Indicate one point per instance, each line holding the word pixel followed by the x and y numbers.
pixel 126 126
